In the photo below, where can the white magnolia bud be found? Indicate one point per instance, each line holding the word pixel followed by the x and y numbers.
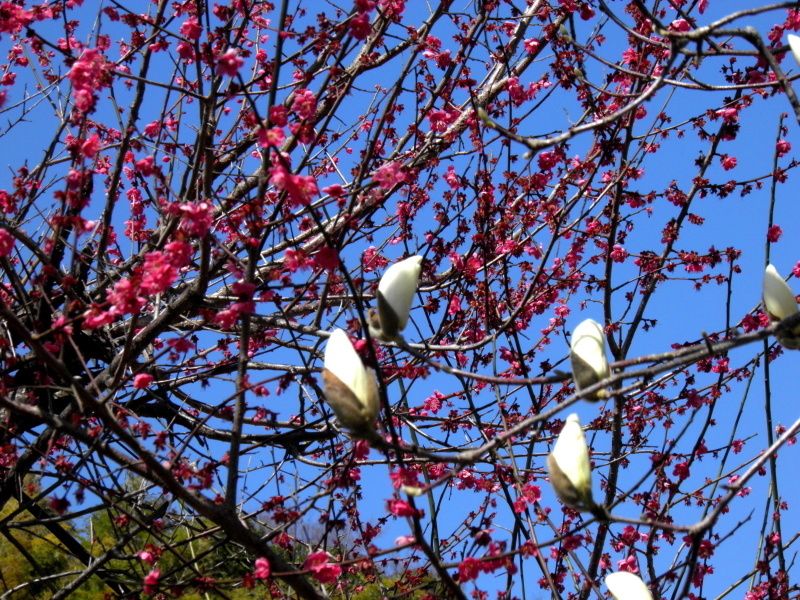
pixel 781 306
pixel 794 44
pixel 779 299
pixel 588 356
pixel 568 467
pixel 396 292
pixel 350 388
pixel 627 586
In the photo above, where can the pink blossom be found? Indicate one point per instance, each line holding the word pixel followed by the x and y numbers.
pixel 728 162
pixel 145 166
pixel 186 52
pixel 270 137
pixel 196 219
pixel 96 317
pixel 628 564
pixel 531 46
pixel 191 29
pixel 142 382
pixel 681 471
pixel 88 74
pixel 327 259
pixel 304 104
pixel 6 242
pixel 680 25
pixel 90 146
pixel 321 569
pixel 278 115
pixel 180 345
pixel 455 306
pixel 452 179
pixel 263 570
pixel 13 18
pixel 295 260
pixel 229 63
pixel 151 581
pixel 783 147
pixel 618 254
pixel 360 26
pixel 774 233
pixel 469 569
pixel 124 298
pixel 300 188
pixel 178 253
pixel 226 318
pixel 158 273
pixel 404 540
pixel 389 175
pixel 147 557
pixel 401 508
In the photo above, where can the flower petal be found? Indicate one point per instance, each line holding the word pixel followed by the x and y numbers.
pixel 627 586
pixel 396 292
pixel 779 299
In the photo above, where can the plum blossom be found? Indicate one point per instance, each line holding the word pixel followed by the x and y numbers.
pixel 191 29
pixel 304 104
pixel 321 569
pixel 6 242
pixel 728 162
pixel 196 218
pixel 13 18
pixel 389 175
pixel 151 581
pixel 88 74
pixel 229 63
pixel 142 381
pixel 262 570
pixel 360 26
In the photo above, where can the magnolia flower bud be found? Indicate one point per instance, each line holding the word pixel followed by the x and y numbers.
pixel 794 44
pixel 779 299
pixel 781 305
pixel 395 294
pixel 568 466
pixel 588 356
pixel 627 586
pixel 350 388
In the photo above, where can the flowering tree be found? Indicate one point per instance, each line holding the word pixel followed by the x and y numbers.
pixel 198 196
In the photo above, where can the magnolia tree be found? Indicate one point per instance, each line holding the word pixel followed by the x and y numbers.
pixel 398 299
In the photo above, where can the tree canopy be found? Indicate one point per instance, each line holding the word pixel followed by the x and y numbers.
pixel 298 299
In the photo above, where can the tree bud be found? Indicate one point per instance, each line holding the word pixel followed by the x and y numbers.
pixel 568 466
pixel 395 294
pixel 627 586
pixel 779 299
pixel 794 44
pixel 588 356
pixel 781 306
pixel 350 388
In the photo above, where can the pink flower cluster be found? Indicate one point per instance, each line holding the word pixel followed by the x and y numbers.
pixel 321 569
pixel 88 74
